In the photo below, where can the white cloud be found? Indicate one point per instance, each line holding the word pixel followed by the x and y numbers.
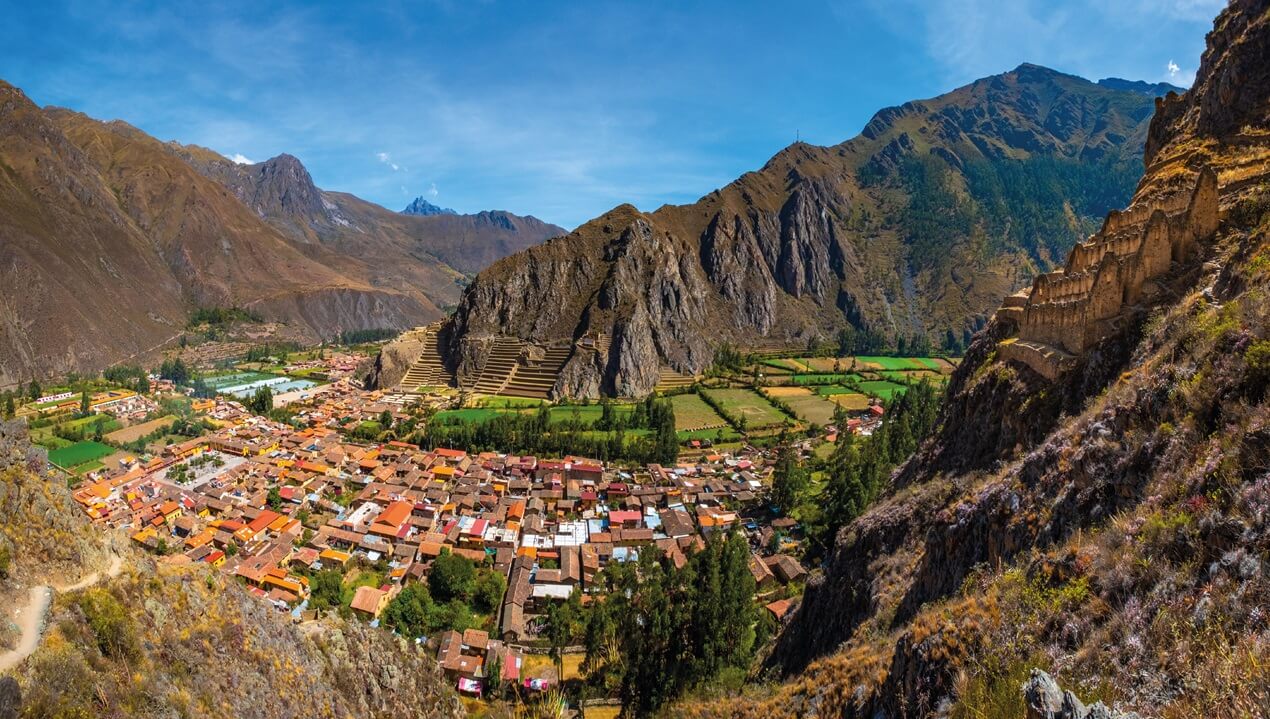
pixel 240 159
pixel 387 160
pixel 433 190
pixel 1174 70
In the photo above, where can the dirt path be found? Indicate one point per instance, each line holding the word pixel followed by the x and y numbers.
pixel 30 618
pixel 30 621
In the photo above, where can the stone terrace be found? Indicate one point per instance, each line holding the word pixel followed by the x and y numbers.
pixel 1069 310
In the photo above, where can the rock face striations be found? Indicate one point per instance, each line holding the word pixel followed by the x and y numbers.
pixel 109 238
pixel 906 230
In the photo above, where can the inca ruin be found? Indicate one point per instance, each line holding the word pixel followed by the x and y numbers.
pixel 1067 311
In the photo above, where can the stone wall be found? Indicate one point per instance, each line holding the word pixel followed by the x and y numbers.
pixel 1071 309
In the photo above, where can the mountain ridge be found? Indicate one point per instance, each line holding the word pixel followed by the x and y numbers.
pixel 92 209
pixel 821 238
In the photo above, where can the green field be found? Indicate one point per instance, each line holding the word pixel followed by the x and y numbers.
pixel 881 388
pixel 901 363
pixel 824 378
pixel 812 408
pixel 851 401
pixel 692 413
pixel 829 390
pixel 218 382
pixel 744 403
pixel 472 415
pixel 587 414
pixel 79 453
pixel 496 402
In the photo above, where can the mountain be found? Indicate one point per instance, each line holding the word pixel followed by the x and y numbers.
pixel 915 228
pixel 1092 519
pixel 420 206
pixel 93 211
pixel 1150 89
pixel 113 633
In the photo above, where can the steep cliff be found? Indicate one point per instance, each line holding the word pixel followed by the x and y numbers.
pixel 916 227
pixel 1109 524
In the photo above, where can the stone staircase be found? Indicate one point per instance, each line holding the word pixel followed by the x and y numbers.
pixel 669 380
pixel 535 379
pixel 428 370
pixel 499 368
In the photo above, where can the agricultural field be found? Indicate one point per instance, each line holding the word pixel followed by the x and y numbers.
pixel 587 414
pixel 692 413
pixel 137 431
pixel 850 401
pixel 805 404
pixel 474 415
pixel 822 378
pixel 500 402
pixel 80 453
pixel 744 403
pixel 902 363
pixel 881 388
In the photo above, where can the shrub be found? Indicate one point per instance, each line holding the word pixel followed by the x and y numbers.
pixel 111 624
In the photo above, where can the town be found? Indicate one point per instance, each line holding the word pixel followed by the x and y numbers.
pixel 294 496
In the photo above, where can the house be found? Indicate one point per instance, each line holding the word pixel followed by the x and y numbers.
pixel 370 601
pixel 779 608
pixel 786 568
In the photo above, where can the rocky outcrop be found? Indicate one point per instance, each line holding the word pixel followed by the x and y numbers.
pixel 1047 700
pixel 393 361
pixel 423 208
pixel 818 239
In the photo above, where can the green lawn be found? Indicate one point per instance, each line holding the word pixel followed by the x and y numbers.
pixel 79 453
pixel 738 403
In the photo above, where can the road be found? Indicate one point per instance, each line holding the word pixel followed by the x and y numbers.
pixel 30 618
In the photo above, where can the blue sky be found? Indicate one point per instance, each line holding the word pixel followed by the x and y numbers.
pixel 557 109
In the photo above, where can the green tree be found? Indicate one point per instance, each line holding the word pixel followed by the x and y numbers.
pixel 408 612
pixel 451 577
pixel 487 594
pixel 385 419
pixel 84 404
pixel 326 590
pixel 10 408
pixel 275 499
pixel 789 480
pixel 33 390
pixel 261 402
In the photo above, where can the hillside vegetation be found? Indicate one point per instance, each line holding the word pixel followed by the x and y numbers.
pixel 1106 533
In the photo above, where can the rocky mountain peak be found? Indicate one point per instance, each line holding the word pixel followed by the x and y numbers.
pixel 282 186
pixel 423 208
